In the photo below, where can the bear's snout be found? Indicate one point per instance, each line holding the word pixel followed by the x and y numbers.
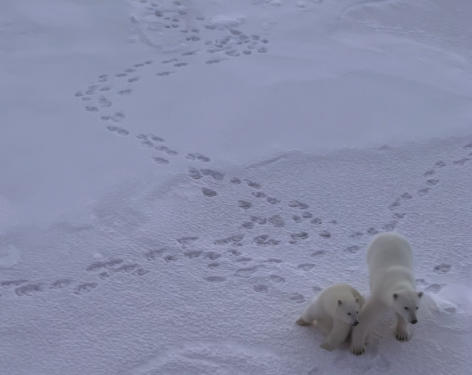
pixel 414 321
pixel 356 323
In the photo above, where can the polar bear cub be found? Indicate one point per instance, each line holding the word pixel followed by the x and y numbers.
pixel 335 310
pixel 390 262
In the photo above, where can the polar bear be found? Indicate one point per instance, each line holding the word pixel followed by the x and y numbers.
pixel 335 310
pixel 390 262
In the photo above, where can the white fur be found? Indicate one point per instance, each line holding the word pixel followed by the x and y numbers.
pixel 390 261
pixel 335 310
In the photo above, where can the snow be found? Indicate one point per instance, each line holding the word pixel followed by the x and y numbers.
pixel 169 205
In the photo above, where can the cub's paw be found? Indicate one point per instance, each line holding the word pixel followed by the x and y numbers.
pixel 328 346
pixel 357 350
pixel 402 336
pixel 302 323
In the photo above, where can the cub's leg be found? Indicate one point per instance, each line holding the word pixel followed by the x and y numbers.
pixel 311 313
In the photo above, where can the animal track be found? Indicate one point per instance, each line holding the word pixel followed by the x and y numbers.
pixel 297 204
pixel 433 288
pixel 164 74
pixel 209 193
pixel 261 288
pixel 248 225
pixel 325 234
pixel 353 249
pixel 194 173
pixel 167 150
pixel 372 231
pixel 215 279
pixel 264 240
pixel 318 253
pixel 422 192
pixel 297 237
pixel 187 240
pixel 154 254
pixel 245 205
pixel 272 200
pixel 258 220
pixel 198 157
pixel 316 221
pixel 160 161
pixel 101 265
pixel 440 164
pixel 390 226
pixel 85 288
pixel 215 174
pixel 193 254
pixel 28 290
pixel 118 130
pixel 429 173
pixel 170 258
pixel 442 268
pixel 297 298
pixel 258 194
pixel 276 279
pixel 125 92
pixel 421 282
pixel 11 283
pixel 234 240
pixel 212 255
pixel 246 272
pixel 253 184
pixel 406 196
pixel 461 161
pixel 235 181
pixel 306 266
pixel 276 221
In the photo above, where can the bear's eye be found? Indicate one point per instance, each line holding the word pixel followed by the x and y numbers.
pixel 417 308
pixel 406 308
pixel 348 313
pixel 357 312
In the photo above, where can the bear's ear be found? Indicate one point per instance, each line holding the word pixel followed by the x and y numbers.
pixel 395 295
pixel 420 294
pixel 357 299
pixel 339 302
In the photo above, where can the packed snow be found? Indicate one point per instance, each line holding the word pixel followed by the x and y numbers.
pixel 179 178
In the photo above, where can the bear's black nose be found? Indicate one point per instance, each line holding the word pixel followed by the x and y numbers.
pixel 414 321
pixel 354 324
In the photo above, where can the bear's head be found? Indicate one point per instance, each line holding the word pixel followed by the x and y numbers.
pixel 406 303
pixel 347 310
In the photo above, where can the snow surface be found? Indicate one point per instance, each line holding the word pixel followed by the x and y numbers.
pixel 179 178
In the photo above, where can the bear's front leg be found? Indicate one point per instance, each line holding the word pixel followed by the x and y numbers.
pixel 338 335
pixel 367 318
pixel 401 331
pixel 358 340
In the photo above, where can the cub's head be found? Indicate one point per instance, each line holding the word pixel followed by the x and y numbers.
pixel 347 310
pixel 406 305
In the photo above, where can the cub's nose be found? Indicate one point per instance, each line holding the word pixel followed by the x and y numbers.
pixel 356 323
pixel 414 321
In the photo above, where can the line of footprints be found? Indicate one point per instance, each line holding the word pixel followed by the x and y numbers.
pixel 105 270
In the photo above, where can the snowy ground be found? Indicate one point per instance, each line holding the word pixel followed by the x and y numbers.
pixel 179 178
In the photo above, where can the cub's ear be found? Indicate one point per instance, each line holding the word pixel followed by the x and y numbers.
pixel 339 302
pixel 420 294
pixel 357 299
pixel 395 295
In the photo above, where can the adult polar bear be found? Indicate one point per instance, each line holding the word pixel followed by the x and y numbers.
pixel 390 261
